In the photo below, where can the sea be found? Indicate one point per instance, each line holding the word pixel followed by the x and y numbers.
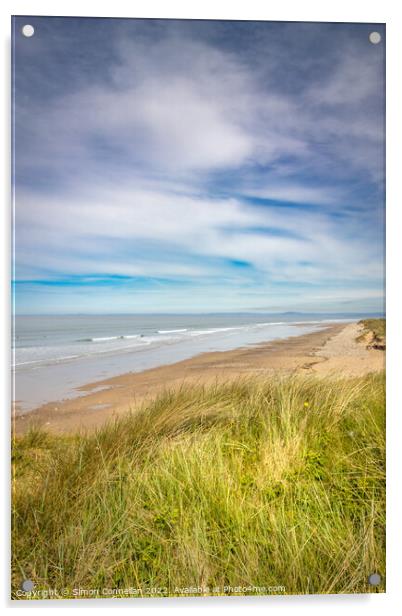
pixel 54 355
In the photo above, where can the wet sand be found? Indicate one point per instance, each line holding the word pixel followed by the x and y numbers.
pixel 329 352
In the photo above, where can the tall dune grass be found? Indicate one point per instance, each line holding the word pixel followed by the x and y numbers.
pixel 273 484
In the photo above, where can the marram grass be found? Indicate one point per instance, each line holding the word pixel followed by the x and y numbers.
pixel 274 484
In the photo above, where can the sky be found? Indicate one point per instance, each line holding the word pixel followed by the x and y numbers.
pixel 197 166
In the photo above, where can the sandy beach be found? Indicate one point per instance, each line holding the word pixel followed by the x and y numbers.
pixel 332 351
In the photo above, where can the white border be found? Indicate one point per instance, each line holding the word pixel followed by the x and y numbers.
pixel 287 10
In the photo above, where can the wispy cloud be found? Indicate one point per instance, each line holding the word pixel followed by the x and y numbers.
pixel 186 161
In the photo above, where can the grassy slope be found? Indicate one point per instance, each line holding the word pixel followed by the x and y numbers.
pixel 260 482
pixel 374 326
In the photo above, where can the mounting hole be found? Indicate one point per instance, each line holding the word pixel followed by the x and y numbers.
pixel 27 585
pixel 375 38
pixel 374 579
pixel 28 30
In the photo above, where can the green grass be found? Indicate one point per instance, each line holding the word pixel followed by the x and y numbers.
pixel 260 482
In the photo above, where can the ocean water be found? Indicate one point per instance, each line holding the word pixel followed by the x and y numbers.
pixel 55 355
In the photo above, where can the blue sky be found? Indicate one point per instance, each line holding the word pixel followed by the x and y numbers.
pixel 196 166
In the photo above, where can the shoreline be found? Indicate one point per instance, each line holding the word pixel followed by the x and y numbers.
pixel 329 351
pixel 43 382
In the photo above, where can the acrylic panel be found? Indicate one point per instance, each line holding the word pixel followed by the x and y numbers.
pixel 198 308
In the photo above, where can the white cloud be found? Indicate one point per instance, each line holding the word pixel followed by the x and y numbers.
pixel 141 232
pixel 184 106
pixel 135 159
pixel 297 193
